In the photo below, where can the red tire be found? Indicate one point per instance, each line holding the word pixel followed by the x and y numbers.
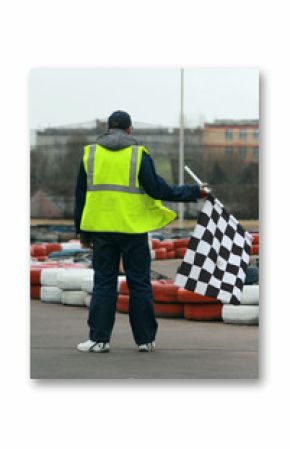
pixel 123 304
pixel 38 250
pixel 254 250
pixel 170 255
pixel 181 243
pixel 155 243
pixel 203 312
pixel 164 291
pixel 256 238
pixel 35 291
pixel 123 288
pixel 160 253
pixel 180 252
pixel 167 244
pixel 51 247
pixel 35 274
pixel 169 310
pixel 42 258
pixel 186 296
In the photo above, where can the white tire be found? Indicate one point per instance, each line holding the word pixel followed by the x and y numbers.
pixel 48 277
pixel 250 295
pixel 72 278
pixel 87 299
pixel 121 279
pixel 240 314
pixel 70 245
pixel 73 297
pixel 51 295
pixel 87 284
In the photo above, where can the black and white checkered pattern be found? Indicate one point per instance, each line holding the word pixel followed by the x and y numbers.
pixel 217 256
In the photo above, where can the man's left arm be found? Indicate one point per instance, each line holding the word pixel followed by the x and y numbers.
pixel 80 199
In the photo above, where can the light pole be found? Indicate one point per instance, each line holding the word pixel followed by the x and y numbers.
pixel 181 147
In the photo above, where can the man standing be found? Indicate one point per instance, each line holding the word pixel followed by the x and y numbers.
pixel 118 201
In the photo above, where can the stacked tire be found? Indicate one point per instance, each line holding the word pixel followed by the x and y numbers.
pixel 44 280
pixel 35 278
pixel 70 281
pixel 165 299
pixel 198 307
pixel 248 310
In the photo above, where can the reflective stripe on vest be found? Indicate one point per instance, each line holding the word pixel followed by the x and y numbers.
pixel 91 187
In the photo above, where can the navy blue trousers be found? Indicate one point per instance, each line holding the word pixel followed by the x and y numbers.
pixel 107 250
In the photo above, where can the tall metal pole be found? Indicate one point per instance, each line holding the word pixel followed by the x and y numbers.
pixel 181 147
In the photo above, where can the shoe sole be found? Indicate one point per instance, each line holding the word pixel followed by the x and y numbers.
pixel 102 350
pixel 146 350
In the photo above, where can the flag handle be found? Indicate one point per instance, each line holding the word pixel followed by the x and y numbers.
pixel 196 178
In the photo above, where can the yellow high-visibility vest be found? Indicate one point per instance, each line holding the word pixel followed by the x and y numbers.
pixel 115 202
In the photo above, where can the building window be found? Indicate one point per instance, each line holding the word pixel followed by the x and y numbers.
pixel 243 151
pixel 228 134
pixel 229 151
pixel 256 152
pixel 256 134
pixel 243 134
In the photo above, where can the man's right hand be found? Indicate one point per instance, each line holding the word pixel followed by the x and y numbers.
pixel 204 190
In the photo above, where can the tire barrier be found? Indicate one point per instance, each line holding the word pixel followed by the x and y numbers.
pixel 87 283
pixel 160 253
pixel 87 299
pixel 122 305
pixel 188 297
pixel 254 249
pixel 35 274
pixel 48 276
pixel 255 238
pixel 164 292
pixel 72 284
pixel 180 252
pixel 73 297
pixel 51 247
pixel 240 314
pixel 72 278
pixel 51 295
pixel 203 312
pixel 72 244
pixel 35 291
pixel 169 310
pixel 161 310
pixel 38 250
pixel 181 243
pixel 160 249
pixel 250 295
pixel 171 255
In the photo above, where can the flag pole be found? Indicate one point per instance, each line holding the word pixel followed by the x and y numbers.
pixel 196 178
pixel 181 147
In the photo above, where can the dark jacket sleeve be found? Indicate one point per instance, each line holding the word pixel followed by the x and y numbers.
pixel 157 187
pixel 80 197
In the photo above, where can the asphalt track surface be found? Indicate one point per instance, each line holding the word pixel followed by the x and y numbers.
pixel 185 349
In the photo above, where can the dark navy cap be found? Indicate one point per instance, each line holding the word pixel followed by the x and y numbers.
pixel 119 119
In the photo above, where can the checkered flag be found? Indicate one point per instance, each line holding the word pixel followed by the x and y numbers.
pixel 217 255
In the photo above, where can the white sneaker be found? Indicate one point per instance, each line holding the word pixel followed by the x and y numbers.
pixel 101 347
pixel 93 346
pixel 147 347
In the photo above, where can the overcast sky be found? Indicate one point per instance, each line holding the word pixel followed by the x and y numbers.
pixel 150 95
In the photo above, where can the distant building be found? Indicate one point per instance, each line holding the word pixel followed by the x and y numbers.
pixel 225 139
pixel 56 153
